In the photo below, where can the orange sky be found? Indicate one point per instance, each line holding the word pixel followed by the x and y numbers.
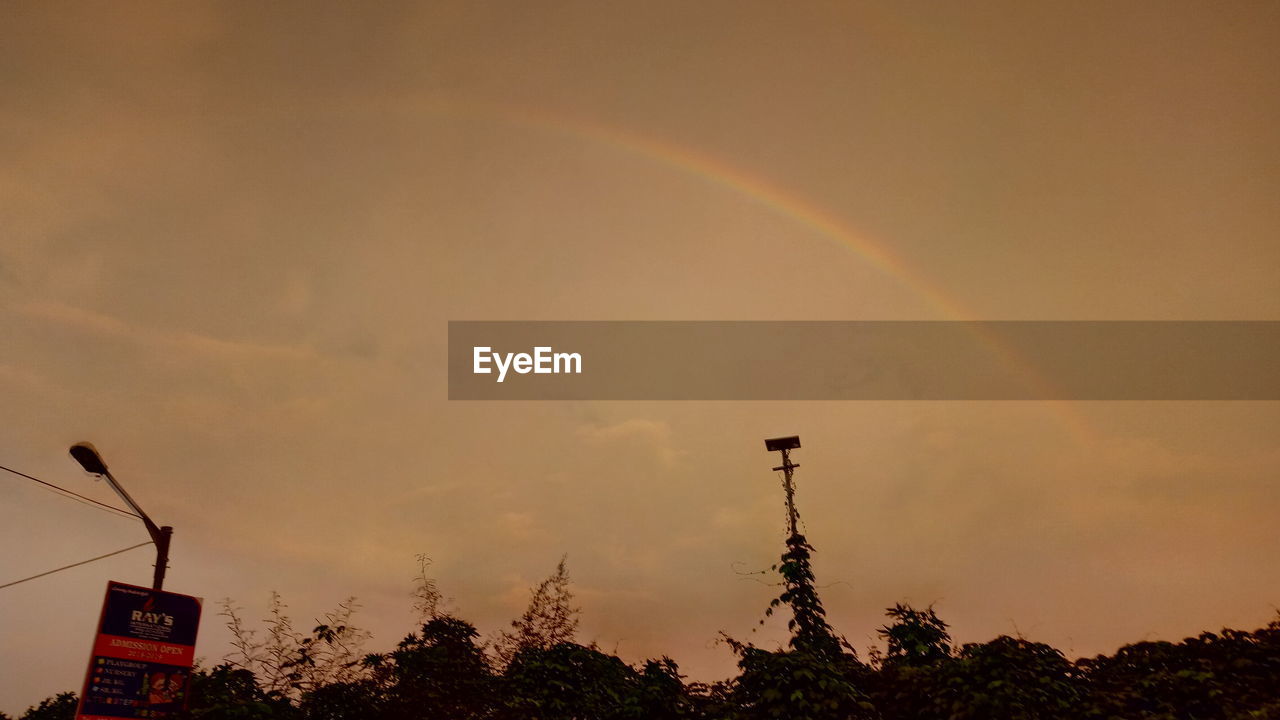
pixel 233 235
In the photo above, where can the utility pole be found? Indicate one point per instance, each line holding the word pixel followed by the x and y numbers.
pixel 87 455
pixel 785 445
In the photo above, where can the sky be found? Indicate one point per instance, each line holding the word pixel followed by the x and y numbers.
pixel 232 236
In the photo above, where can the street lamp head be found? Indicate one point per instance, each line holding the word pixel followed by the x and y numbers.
pixel 87 455
pixel 782 443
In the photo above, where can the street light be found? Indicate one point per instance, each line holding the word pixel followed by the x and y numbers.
pixel 87 455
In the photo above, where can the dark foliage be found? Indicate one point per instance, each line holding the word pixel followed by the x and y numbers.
pixel 810 632
pixel 1231 675
pixel 915 638
pixel 569 682
pixel 229 693
pixel 441 672
pixel 819 678
pixel 444 672
pixel 59 707
pixel 1009 678
pixel 798 685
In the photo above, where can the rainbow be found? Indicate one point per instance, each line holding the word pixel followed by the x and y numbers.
pixel 781 201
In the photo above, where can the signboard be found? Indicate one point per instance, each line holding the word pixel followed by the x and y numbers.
pixel 140 666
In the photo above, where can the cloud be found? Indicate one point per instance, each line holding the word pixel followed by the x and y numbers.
pixel 517 525
pixel 652 436
pixel 24 377
pixel 206 346
pixel 295 295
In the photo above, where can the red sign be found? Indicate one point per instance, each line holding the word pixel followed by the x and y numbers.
pixel 140 666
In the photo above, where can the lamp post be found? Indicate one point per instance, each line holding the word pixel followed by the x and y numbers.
pixel 785 445
pixel 87 455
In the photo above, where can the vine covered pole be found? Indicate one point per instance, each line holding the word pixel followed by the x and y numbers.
pixel 785 445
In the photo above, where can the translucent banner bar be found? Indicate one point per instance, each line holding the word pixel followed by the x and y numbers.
pixel 864 360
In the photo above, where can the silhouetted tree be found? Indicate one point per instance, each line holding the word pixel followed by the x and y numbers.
pixel 246 648
pixel 1230 675
pixel 1011 679
pixel 333 652
pixel 798 685
pixel 915 638
pixel 549 620
pixel 440 672
pixel 355 700
pixel 443 672
pixel 569 682
pixel 59 707
pixel 278 653
pixel 917 645
pixel 663 695
pixel 428 603
pixel 232 693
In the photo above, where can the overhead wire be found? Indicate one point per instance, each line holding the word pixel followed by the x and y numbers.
pixel 72 565
pixel 71 495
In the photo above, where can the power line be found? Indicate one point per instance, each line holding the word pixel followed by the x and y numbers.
pixel 73 495
pixel 68 567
